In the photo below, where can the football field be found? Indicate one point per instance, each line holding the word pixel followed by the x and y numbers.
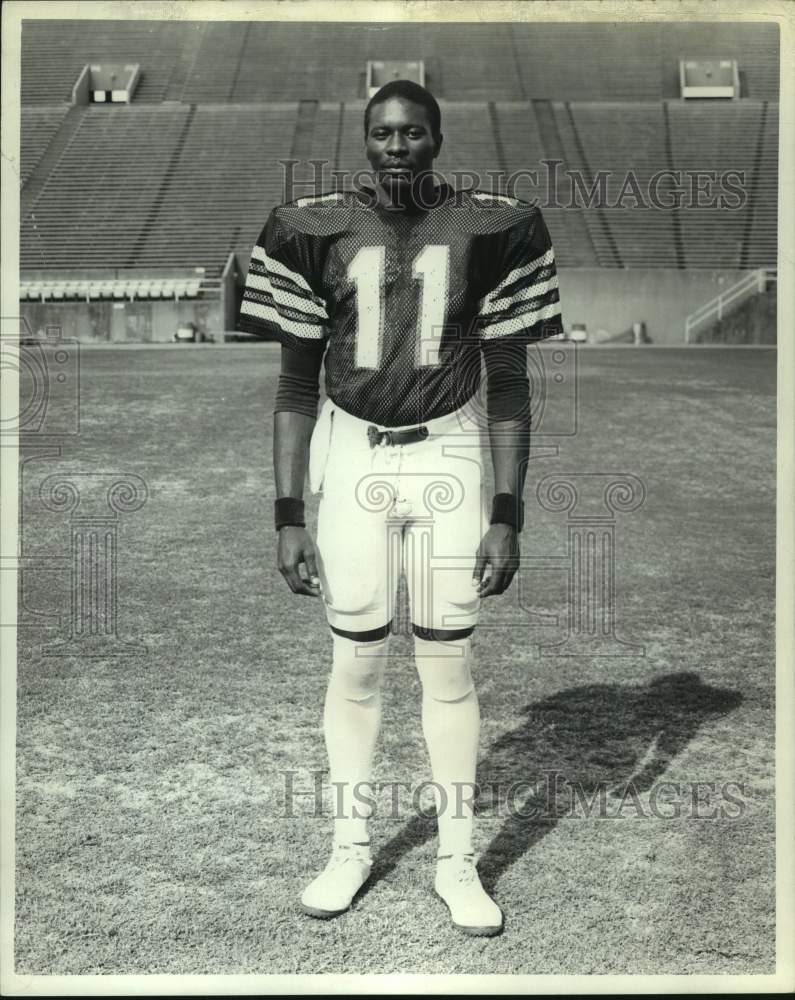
pixel 167 816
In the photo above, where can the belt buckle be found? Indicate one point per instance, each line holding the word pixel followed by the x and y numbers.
pixel 376 437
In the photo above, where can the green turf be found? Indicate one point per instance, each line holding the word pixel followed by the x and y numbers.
pixel 151 834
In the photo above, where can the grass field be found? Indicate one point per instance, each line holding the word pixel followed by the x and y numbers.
pixel 151 826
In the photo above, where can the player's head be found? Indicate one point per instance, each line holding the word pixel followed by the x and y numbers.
pixel 402 131
pixel 412 93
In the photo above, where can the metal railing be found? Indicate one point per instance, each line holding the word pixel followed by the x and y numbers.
pixel 753 283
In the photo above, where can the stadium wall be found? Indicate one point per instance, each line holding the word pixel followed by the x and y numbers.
pixel 139 321
pixel 612 299
pixel 604 299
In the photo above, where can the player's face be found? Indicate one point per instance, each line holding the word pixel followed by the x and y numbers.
pixel 399 143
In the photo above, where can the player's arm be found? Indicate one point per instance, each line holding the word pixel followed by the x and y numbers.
pixel 280 303
pixel 508 414
pixel 294 418
pixel 523 307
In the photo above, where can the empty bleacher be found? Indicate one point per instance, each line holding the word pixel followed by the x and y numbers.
pixel 38 128
pixel 222 187
pixel 762 244
pixel 627 141
pixel 176 185
pixel 265 60
pixel 93 209
pixel 350 155
pixel 323 146
pixel 469 145
pixel 524 151
pixel 706 136
pixel 54 52
pixel 215 65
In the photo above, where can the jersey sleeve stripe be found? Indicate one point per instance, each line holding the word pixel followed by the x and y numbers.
pixel 491 305
pixel 521 307
pixel 299 303
pixel 518 273
pixel 268 313
pixel 524 321
pixel 276 267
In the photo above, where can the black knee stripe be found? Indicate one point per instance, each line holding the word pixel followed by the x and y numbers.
pixel 372 635
pixel 442 634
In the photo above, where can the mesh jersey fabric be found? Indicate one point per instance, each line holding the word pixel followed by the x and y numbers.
pixel 402 302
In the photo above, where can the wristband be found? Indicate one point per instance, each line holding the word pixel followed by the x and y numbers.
pixel 507 509
pixel 288 511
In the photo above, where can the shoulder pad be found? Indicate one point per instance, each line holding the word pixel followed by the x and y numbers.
pixel 486 212
pixel 319 215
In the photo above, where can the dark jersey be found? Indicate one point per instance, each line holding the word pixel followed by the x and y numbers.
pixel 402 303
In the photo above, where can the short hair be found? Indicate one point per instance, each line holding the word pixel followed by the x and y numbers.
pixel 408 90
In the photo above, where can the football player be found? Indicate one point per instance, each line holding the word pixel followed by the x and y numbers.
pixel 399 289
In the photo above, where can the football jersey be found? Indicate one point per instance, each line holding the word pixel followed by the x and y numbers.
pixel 402 302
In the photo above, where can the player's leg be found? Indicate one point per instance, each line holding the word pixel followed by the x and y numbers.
pixel 351 720
pixel 353 562
pixel 445 609
pixel 451 726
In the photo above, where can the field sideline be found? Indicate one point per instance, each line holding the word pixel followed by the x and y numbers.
pixel 152 834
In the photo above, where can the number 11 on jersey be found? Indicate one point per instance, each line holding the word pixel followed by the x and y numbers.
pixel 430 267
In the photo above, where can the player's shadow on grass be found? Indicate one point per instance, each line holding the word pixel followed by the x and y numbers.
pixel 606 739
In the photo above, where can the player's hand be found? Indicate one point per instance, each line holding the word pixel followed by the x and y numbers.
pixel 499 549
pixel 295 547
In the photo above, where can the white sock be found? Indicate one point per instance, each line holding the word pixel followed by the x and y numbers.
pixel 451 724
pixel 351 721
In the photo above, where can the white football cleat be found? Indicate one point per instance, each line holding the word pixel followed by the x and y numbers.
pixel 458 885
pixel 332 892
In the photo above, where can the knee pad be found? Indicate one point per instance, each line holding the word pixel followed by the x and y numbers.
pixel 357 667
pixel 445 668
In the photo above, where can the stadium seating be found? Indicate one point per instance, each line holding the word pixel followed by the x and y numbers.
pixel 179 185
pixel 95 205
pixel 523 150
pixel 625 140
pixel 54 52
pixel 324 145
pixel 188 172
pixel 762 245
pixel 38 128
pixel 469 144
pixel 216 64
pixel 225 181
pixel 265 61
pixel 706 136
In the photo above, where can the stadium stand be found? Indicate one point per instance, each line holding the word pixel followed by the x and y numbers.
pixel 182 180
pixel 172 183
pixel 519 128
pixel 627 141
pixel 470 144
pixel 94 207
pixel 710 137
pixel 325 145
pixel 510 62
pixel 761 243
pixel 39 127
pixel 54 52
pixel 349 154
pixel 215 65
pixel 223 184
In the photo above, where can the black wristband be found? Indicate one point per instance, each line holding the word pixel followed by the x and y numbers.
pixel 288 510
pixel 507 509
